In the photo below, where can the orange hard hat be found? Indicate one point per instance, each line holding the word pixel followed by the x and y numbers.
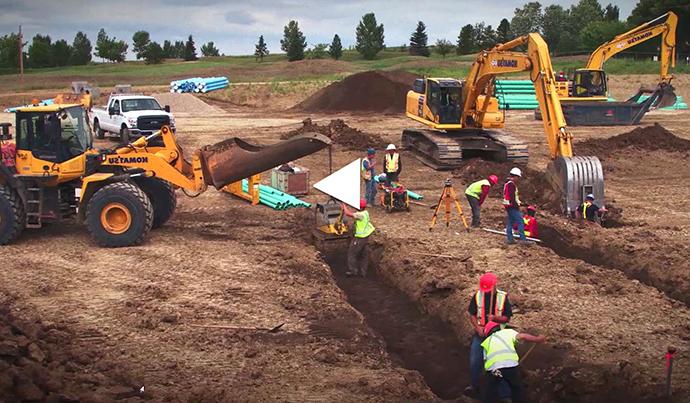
pixel 489 327
pixel 487 282
pixel 362 204
pixel 493 179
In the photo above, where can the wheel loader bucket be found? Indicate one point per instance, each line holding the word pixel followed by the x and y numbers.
pixel 574 178
pixel 234 159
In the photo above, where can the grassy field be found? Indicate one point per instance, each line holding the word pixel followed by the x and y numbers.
pixel 276 68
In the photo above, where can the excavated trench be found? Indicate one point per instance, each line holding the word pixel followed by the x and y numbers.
pixel 414 339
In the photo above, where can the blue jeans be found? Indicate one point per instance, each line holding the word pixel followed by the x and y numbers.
pixel 370 191
pixel 477 367
pixel 514 217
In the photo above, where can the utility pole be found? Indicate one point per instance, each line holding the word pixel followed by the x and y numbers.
pixel 21 59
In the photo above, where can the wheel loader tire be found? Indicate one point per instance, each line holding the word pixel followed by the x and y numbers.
pixel 162 196
pixel 124 135
pixel 98 132
pixel 12 215
pixel 119 214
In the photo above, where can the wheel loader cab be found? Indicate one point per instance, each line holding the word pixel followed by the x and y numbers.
pixel 444 99
pixel 589 83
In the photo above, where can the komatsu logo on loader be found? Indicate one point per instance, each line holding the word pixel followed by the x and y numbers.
pixel 639 38
pixel 504 63
pixel 128 160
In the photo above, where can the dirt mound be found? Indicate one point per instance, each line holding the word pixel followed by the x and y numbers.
pixel 649 138
pixel 338 131
pixel 37 363
pixel 185 103
pixel 370 91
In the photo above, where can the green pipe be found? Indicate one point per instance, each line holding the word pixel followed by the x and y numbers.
pixel 415 196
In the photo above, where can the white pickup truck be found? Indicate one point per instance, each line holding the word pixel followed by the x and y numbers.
pixel 130 116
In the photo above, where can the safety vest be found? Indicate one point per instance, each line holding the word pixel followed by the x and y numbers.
pixel 584 210
pixel 500 348
pixel 366 173
pixel 363 227
pixel 475 189
pixel 526 220
pixel 506 198
pixel 392 162
pixel 498 308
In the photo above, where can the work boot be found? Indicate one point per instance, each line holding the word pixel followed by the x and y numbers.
pixel 510 242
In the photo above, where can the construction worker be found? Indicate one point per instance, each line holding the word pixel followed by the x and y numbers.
pixel 590 211
pixel 530 220
pixel 392 164
pixel 368 174
pixel 501 361
pixel 476 194
pixel 486 305
pixel 511 202
pixel 358 253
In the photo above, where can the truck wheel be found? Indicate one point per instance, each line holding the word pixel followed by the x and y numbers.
pixel 162 196
pixel 100 134
pixel 119 214
pixel 124 135
pixel 12 216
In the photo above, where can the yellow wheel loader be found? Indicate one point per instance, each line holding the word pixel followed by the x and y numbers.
pixel 119 194
pixel 464 120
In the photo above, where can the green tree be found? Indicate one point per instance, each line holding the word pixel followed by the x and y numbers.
pixel 598 32
pixel 178 50
pixel 261 49
pixel 443 47
pixel 465 40
pixel 555 19
pixel 526 20
pixel 168 50
pixel 110 48
pixel 9 50
pixel 503 31
pixel 646 10
pixel 293 42
pixel 418 41
pixel 153 53
pixel 209 50
pixel 40 51
pixel 319 51
pixel 140 41
pixel 611 13
pixel 81 49
pixel 335 50
pixel 369 37
pixel 485 36
pixel 61 53
pixel 579 16
pixel 189 50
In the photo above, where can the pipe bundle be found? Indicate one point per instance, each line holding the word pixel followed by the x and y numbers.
pixel 276 199
pixel 516 94
pixel 198 84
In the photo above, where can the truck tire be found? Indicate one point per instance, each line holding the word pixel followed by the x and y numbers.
pixel 97 131
pixel 119 214
pixel 162 196
pixel 12 215
pixel 124 135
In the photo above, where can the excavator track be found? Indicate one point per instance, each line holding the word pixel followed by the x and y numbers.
pixel 444 151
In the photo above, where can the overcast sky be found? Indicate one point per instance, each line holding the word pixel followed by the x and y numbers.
pixel 236 25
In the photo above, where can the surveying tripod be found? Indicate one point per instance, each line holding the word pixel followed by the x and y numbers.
pixel 448 196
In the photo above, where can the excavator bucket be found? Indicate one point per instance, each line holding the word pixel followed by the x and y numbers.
pixel 574 178
pixel 666 96
pixel 234 159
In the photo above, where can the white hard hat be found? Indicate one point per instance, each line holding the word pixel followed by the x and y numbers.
pixel 516 172
pixel 390 147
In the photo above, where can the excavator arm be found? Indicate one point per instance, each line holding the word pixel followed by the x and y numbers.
pixel 664 25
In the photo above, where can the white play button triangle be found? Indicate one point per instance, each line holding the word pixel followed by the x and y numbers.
pixel 343 184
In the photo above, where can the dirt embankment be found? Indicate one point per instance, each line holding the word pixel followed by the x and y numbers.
pixel 648 138
pixel 370 91
pixel 338 131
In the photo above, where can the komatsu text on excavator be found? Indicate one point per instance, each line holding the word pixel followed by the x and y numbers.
pixel 464 118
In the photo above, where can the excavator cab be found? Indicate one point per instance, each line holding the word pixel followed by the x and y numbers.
pixel 444 100
pixel 589 83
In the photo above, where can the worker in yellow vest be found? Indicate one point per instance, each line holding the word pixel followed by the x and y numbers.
pixel 476 194
pixel 501 361
pixel 358 253
pixel 392 164
pixel 488 304
pixel 590 211
pixel 368 170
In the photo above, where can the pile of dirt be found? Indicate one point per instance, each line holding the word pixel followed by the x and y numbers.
pixel 338 131
pixel 534 185
pixel 37 364
pixel 185 103
pixel 649 138
pixel 370 91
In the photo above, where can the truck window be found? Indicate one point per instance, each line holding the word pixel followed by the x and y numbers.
pixel 140 104
pixel 116 105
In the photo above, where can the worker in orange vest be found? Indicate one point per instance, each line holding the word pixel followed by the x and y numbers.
pixel 488 304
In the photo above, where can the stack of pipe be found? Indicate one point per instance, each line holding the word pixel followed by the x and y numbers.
pixel 516 94
pixel 276 199
pixel 198 84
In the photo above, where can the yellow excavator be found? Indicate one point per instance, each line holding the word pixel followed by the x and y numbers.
pixel 120 194
pixel 584 98
pixel 463 117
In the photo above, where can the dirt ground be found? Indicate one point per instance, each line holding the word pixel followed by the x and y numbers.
pixel 187 315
